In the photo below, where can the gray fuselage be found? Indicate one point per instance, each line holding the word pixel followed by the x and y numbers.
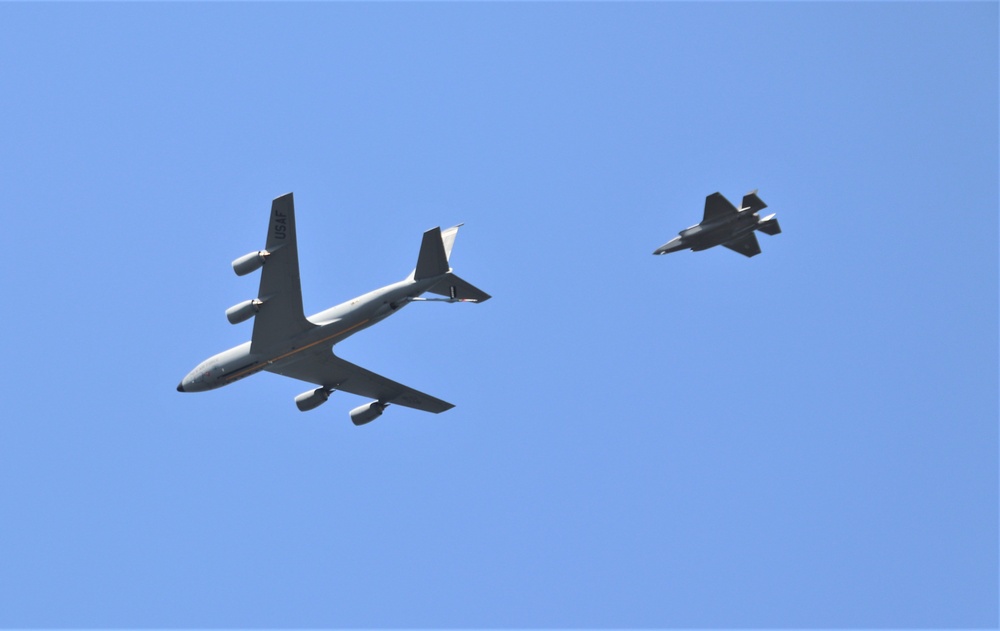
pixel 708 235
pixel 332 326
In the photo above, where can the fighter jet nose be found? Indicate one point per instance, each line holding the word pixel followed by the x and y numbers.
pixel 180 387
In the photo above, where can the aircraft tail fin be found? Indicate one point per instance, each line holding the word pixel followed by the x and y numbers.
pixel 769 225
pixel 435 250
pixel 432 260
pixel 752 203
pixel 448 239
pixel 457 289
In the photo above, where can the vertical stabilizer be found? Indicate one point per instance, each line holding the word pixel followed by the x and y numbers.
pixel 752 202
pixel 435 250
pixel 448 237
pixel 433 259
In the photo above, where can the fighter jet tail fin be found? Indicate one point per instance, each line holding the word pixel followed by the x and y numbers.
pixel 752 202
pixel 769 225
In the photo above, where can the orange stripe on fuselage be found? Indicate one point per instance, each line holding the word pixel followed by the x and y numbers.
pixel 246 371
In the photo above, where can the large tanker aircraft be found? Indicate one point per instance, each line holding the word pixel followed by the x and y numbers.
pixel 286 342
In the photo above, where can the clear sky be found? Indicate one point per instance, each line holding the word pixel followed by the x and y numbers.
pixel 807 438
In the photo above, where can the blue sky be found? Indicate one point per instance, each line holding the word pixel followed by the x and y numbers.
pixel 807 438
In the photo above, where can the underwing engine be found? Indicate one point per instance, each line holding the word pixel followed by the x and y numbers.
pixel 243 311
pixel 312 399
pixel 250 262
pixel 367 413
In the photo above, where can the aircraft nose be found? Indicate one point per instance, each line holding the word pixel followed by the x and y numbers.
pixel 180 387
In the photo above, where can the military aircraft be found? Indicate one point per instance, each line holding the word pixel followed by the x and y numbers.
pixel 725 225
pixel 285 342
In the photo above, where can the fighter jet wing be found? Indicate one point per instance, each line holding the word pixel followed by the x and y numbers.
pixel 280 316
pixel 747 245
pixel 323 368
pixel 717 207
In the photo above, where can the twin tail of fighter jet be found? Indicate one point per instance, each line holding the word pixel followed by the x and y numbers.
pixel 286 342
pixel 724 224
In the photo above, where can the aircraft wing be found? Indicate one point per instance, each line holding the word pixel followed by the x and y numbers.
pixel 280 315
pixel 717 207
pixel 323 368
pixel 747 245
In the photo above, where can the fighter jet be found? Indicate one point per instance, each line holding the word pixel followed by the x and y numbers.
pixel 726 225
pixel 286 342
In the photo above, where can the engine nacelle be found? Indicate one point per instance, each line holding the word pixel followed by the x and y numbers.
pixel 367 412
pixel 250 262
pixel 312 399
pixel 243 311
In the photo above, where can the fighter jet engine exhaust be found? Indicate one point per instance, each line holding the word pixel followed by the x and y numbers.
pixel 250 262
pixel 243 311
pixel 312 399
pixel 367 413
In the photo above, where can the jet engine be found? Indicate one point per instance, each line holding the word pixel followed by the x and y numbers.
pixel 367 412
pixel 312 399
pixel 250 262
pixel 243 311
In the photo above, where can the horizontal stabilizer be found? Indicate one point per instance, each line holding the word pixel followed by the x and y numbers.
pixel 752 202
pixel 457 289
pixel 769 225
